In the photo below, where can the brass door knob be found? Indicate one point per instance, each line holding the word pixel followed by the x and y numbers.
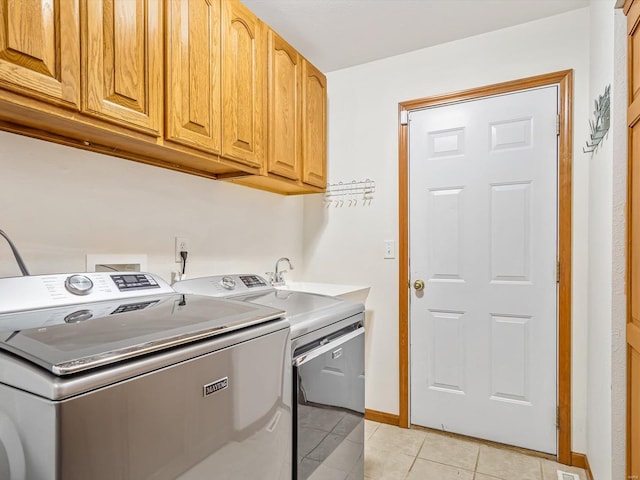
pixel 418 285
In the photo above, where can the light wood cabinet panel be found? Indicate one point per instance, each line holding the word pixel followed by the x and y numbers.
pixel 285 122
pixel 40 49
pixel 243 84
pixel 633 52
pixel 192 52
pixel 122 62
pixel 632 10
pixel 633 320
pixel 314 126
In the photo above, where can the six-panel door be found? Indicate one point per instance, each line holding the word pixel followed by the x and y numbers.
pixel 122 62
pixel 483 238
pixel 40 49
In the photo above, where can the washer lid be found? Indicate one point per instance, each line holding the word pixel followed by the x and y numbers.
pixel 75 338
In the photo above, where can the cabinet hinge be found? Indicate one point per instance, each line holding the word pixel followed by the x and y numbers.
pixel 557 124
pixel 558 271
pixel 404 117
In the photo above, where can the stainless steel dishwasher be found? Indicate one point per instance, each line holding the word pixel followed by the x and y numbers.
pixel 327 344
pixel 328 375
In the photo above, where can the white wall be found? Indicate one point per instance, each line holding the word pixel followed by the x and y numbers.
pixel 59 203
pixel 619 249
pixel 607 303
pixel 347 243
pixel 600 254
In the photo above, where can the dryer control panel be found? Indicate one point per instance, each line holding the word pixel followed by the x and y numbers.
pixel 224 285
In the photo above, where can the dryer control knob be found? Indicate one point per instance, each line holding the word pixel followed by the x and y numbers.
pixel 228 283
pixel 79 284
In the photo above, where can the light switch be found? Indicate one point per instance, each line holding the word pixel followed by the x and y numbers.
pixel 389 249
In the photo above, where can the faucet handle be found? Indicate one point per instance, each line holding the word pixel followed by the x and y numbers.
pixel 271 277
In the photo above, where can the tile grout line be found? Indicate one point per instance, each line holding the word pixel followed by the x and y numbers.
pixel 415 457
pixel 446 464
pixel 374 430
pixel 440 463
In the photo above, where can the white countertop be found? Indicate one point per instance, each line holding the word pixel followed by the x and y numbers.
pixel 355 293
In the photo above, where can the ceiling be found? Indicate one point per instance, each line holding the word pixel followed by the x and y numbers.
pixel 335 34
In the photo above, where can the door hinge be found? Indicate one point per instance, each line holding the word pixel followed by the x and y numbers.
pixel 557 417
pixel 557 124
pixel 558 271
pixel 404 117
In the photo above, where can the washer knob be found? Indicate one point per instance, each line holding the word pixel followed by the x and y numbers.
pixel 79 284
pixel 228 283
pixel 79 316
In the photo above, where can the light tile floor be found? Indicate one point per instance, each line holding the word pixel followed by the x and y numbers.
pixel 392 453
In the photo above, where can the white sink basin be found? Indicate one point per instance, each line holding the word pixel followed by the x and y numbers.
pixel 354 293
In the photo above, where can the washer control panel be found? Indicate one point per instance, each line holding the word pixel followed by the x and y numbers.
pixel 43 291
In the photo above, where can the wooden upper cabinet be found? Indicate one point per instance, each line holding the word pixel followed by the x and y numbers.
pixel 243 84
pixel 314 126
pixel 193 97
pixel 285 122
pixel 40 49
pixel 122 62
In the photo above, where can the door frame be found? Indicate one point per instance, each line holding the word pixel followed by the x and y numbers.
pixel 564 80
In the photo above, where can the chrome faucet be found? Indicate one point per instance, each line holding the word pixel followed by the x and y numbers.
pixel 277 278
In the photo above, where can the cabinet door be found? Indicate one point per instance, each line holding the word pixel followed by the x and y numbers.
pixel 40 49
pixel 632 10
pixel 243 66
pixel 122 62
pixel 285 122
pixel 314 126
pixel 193 73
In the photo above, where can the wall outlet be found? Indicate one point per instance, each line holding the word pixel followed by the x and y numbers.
pixel 182 245
pixel 389 249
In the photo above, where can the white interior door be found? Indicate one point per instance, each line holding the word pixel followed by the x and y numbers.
pixel 483 237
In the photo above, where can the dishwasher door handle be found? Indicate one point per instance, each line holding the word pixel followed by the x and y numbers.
pixel 327 347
